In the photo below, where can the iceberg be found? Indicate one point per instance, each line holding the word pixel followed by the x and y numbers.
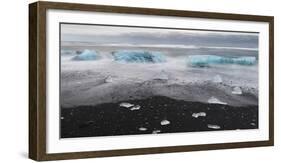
pixel 207 60
pixel 138 56
pixel 87 55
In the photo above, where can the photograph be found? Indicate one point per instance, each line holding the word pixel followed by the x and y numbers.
pixel 118 80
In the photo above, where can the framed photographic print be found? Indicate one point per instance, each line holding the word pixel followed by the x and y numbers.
pixel 112 81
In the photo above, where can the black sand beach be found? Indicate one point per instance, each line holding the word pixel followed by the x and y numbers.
pixel 157 114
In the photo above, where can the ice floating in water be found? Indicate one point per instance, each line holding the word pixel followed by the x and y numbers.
pixel 237 91
pixel 138 56
pixel 164 122
pixel 156 131
pixel 87 55
pixel 217 79
pixel 214 126
pixel 126 104
pixel 200 114
pixel 142 129
pixel 207 60
pixel 214 100
pixel 136 107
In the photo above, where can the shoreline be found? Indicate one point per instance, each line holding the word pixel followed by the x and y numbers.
pixel 154 115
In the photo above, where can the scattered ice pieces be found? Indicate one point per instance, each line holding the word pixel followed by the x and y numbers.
pixel 126 104
pixel 130 106
pixel 217 79
pixel 237 91
pixel 108 79
pixel 136 107
pixel 200 114
pixel 214 100
pixel 142 129
pixel 61 117
pixel 252 124
pixel 156 131
pixel 164 122
pixel 216 127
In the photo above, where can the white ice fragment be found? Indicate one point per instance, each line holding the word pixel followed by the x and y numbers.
pixel 164 122
pixel 142 129
pixel 126 104
pixel 214 100
pixel 109 79
pixel 61 117
pixel 213 126
pixel 162 75
pixel 136 107
pixel 200 114
pixel 237 91
pixel 156 131
pixel 252 124
pixel 217 79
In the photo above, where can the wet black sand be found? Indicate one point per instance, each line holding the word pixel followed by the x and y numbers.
pixel 111 119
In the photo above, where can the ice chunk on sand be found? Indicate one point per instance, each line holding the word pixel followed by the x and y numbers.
pixel 200 114
pixel 237 91
pixel 214 100
pixel 136 107
pixel 142 129
pixel 162 75
pixel 87 55
pixel 156 131
pixel 138 56
pixel 217 79
pixel 216 127
pixel 126 104
pixel 207 60
pixel 109 79
pixel 164 122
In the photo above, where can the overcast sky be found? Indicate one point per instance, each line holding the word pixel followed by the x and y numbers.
pixel 99 34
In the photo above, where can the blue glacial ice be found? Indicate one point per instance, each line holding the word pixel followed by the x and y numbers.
pixel 207 60
pixel 138 56
pixel 87 55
